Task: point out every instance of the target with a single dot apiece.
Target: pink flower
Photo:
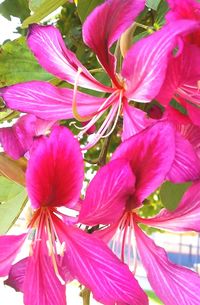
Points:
(149, 159)
(186, 139)
(182, 84)
(18, 139)
(185, 9)
(182, 76)
(58, 250)
(140, 79)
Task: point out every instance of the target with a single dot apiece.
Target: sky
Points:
(7, 27)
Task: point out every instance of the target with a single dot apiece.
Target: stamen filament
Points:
(51, 239)
(116, 118)
(74, 101)
(106, 104)
(134, 246)
(124, 240)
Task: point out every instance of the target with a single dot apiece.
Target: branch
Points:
(85, 294)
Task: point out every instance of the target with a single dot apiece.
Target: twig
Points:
(85, 294)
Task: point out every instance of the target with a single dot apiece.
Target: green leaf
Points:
(8, 189)
(153, 4)
(178, 107)
(13, 169)
(161, 12)
(16, 8)
(43, 10)
(86, 6)
(35, 4)
(13, 198)
(171, 194)
(17, 64)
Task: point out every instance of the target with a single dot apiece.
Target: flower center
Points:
(45, 233)
(124, 243)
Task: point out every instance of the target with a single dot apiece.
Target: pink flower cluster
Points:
(163, 144)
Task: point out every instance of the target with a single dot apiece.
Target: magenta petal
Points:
(134, 121)
(186, 165)
(47, 45)
(176, 116)
(91, 262)
(184, 218)
(182, 75)
(194, 111)
(105, 25)
(9, 247)
(151, 153)
(41, 285)
(55, 170)
(107, 193)
(183, 9)
(18, 139)
(17, 275)
(47, 101)
(149, 58)
(192, 134)
(173, 284)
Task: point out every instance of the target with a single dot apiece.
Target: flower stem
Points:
(85, 294)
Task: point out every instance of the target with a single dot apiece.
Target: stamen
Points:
(62, 249)
(106, 104)
(116, 241)
(133, 245)
(116, 118)
(123, 249)
(129, 244)
(51, 247)
(198, 85)
(38, 222)
(74, 101)
(49, 242)
(77, 127)
(31, 249)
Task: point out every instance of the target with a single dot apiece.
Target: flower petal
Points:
(107, 193)
(47, 45)
(192, 134)
(193, 110)
(175, 116)
(105, 25)
(18, 139)
(17, 275)
(149, 59)
(185, 9)
(182, 77)
(41, 285)
(91, 262)
(9, 248)
(134, 121)
(184, 218)
(151, 153)
(47, 101)
(186, 165)
(55, 170)
(173, 284)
